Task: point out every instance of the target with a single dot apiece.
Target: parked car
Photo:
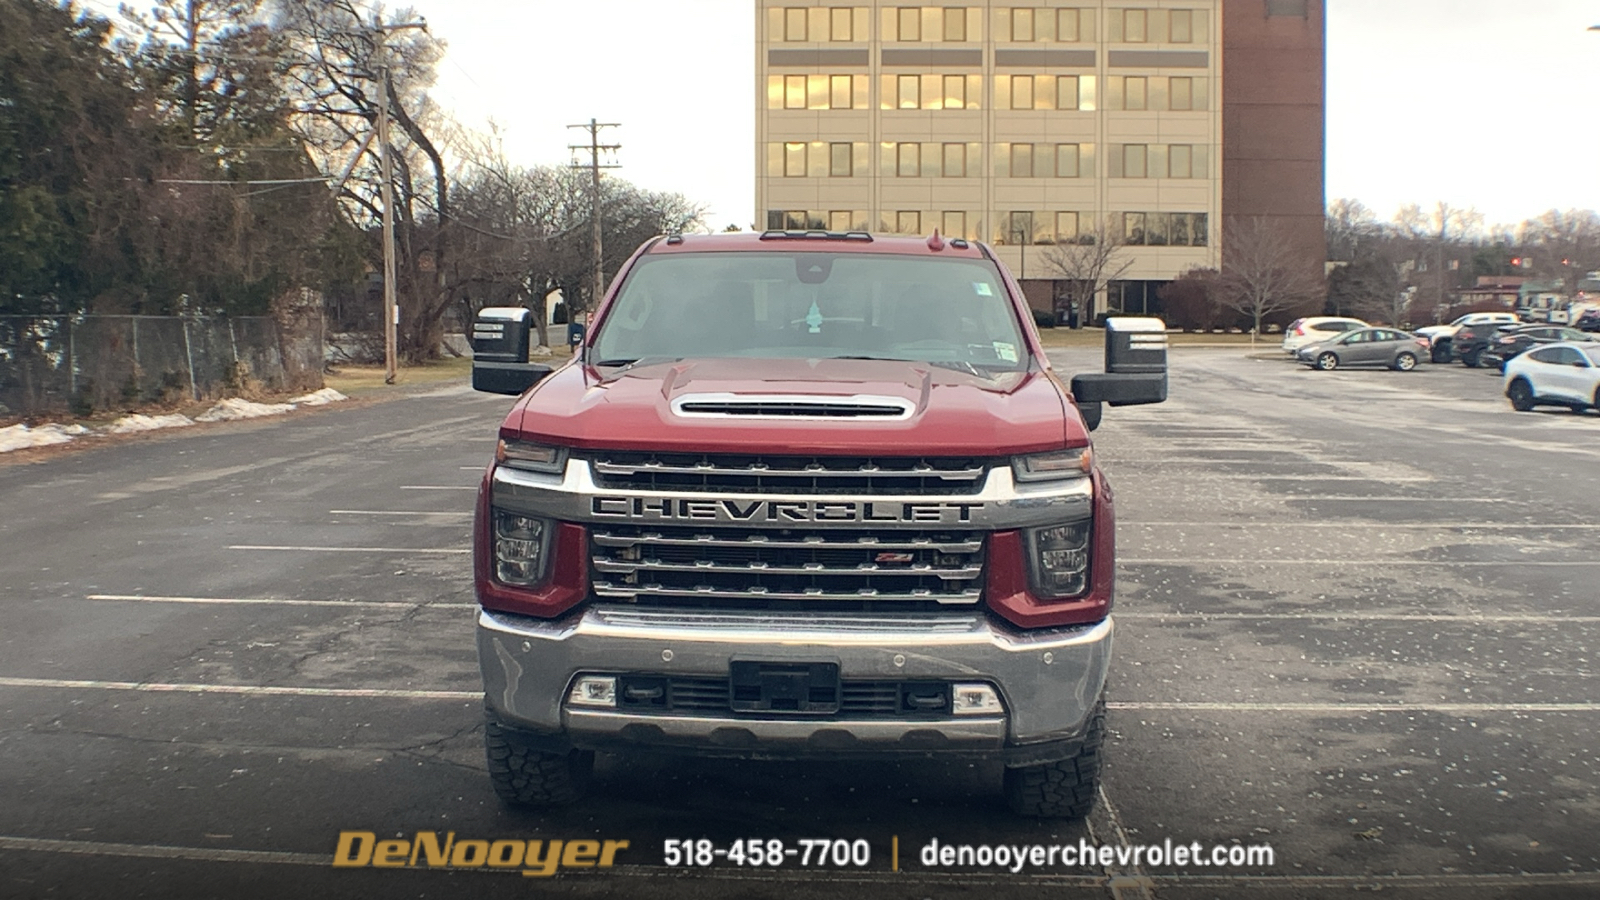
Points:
(1399, 350)
(1470, 342)
(1565, 374)
(1510, 344)
(1440, 337)
(1315, 329)
(1589, 320)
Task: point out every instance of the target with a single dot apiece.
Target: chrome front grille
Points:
(835, 570)
(898, 475)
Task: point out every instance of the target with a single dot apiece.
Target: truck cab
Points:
(803, 494)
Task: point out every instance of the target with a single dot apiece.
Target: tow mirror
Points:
(500, 351)
(1136, 368)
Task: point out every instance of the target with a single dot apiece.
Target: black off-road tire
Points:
(1520, 393)
(1439, 353)
(531, 778)
(1472, 359)
(1066, 788)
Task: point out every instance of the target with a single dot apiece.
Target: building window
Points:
(839, 25)
(1068, 157)
(1287, 8)
(930, 91)
(908, 222)
(1156, 229)
(955, 23)
(908, 160)
(1021, 24)
(1022, 92)
(794, 23)
(955, 160)
(847, 220)
(1044, 91)
(1066, 92)
(909, 23)
(817, 159)
(908, 90)
(817, 91)
(955, 92)
(1155, 92)
(953, 224)
(839, 161)
(1157, 26)
(1019, 228)
(797, 219)
(1067, 228)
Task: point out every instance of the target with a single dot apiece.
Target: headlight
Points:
(1061, 464)
(520, 548)
(532, 457)
(1059, 560)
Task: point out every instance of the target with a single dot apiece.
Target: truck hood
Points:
(948, 412)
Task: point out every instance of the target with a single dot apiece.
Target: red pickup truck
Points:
(800, 495)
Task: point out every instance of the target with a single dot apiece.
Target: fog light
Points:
(594, 692)
(975, 700)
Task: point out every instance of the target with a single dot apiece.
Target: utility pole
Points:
(391, 305)
(594, 166)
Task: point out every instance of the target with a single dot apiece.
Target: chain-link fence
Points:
(84, 363)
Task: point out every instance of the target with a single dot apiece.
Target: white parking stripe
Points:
(1464, 618)
(1507, 563)
(161, 851)
(398, 512)
(247, 689)
(346, 549)
(1368, 526)
(1402, 706)
(270, 601)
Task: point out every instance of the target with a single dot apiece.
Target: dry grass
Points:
(364, 380)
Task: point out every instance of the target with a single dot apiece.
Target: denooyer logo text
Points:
(427, 849)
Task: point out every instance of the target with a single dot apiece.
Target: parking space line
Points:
(272, 601)
(1252, 706)
(246, 689)
(1355, 497)
(1105, 826)
(398, 512)
(1464, 618)
(274, 547)
(1517, 563)
(1527, 526)
(162, 851)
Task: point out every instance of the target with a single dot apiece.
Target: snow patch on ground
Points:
(138, 422)
(319, 398)
(21, 437)
(234, 408)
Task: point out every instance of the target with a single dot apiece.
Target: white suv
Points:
(1316, 328)
(1439, 335)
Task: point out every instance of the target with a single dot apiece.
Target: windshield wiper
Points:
(627, 364)
(957, 365)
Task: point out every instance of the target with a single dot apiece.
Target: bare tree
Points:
(1350, 226)
(1565, 245)
(1262, 274)
(1090, 263)
(1435, 241)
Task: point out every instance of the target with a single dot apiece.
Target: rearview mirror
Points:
(1136, 369)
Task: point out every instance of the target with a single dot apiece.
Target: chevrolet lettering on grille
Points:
(704, 509)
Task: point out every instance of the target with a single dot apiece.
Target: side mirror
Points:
(1136, 369)
(500, 364)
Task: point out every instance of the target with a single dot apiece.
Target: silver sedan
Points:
(1391, 347)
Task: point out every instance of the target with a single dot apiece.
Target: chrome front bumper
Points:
(1048, 680)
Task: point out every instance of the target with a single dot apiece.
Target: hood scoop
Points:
(792, 406)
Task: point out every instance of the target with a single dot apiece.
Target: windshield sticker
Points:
(982, 289)
(1006, 352)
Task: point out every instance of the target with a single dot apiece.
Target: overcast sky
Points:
(1488, 103)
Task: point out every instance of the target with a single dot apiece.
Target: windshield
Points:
(813, 306)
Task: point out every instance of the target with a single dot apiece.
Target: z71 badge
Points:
(734, 512)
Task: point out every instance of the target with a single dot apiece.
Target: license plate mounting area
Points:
(784, 687)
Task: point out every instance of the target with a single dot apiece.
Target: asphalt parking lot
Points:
(1355, 622)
